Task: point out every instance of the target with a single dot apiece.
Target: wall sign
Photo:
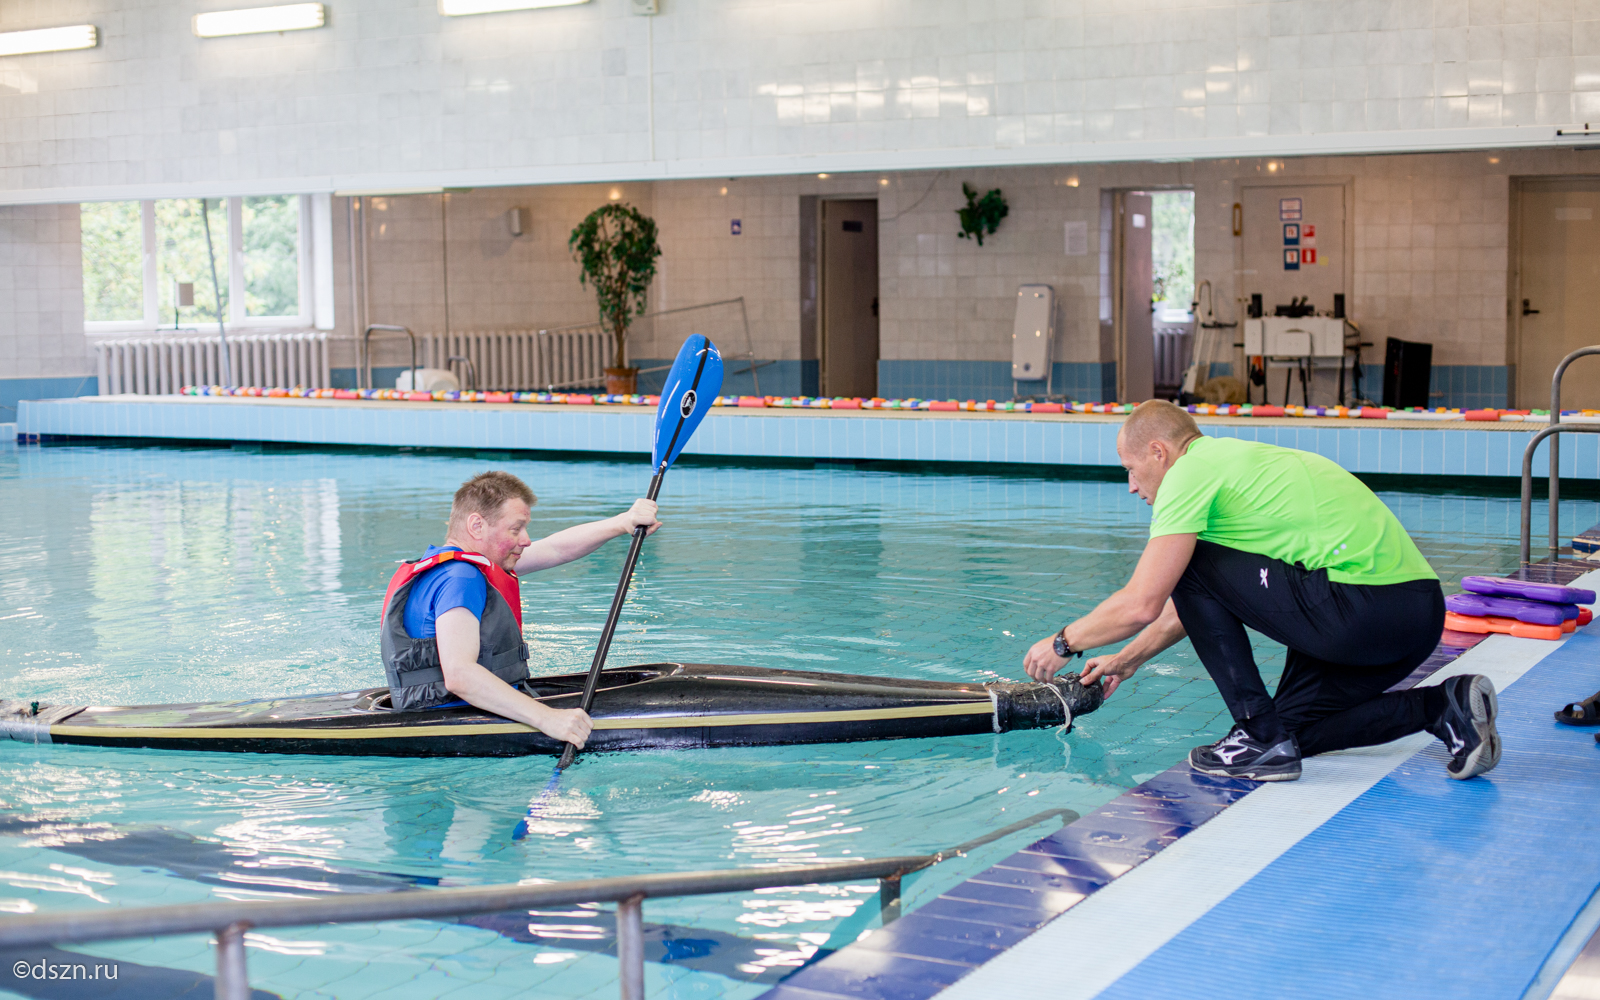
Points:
(1291, 234)
(1291, 259)
(736, 227)
(1289, 209)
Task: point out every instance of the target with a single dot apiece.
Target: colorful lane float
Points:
(1520, 608)
(1246, 410)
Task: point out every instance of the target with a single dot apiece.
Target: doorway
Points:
(1135, 276)
(848, 246)
(1556, 288)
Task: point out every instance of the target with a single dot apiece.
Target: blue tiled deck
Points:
(1044, 439)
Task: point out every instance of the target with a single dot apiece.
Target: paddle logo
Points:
(687, 406)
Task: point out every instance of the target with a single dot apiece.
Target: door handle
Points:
(1526, 311)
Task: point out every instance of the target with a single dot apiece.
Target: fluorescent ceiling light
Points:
(455, 8)
(20, 43)
(388, 192)
(257, 20)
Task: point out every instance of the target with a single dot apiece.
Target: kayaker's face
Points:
(505, 537)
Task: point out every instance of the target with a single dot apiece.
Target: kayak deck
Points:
(649, 706)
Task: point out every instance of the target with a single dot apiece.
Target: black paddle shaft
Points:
(593, 680)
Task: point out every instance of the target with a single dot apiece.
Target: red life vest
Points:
(502, 580)
(411, 664)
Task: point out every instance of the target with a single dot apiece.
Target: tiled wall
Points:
(391, 92)
(42, 347)
(1430, 235)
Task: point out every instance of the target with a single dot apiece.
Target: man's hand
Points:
(1108, 671)
(569, 725)
(1041, 663)
(641, 515)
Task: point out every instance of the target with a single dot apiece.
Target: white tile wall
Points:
(391, 92)
(41, 293)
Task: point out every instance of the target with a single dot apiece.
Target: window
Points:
(148, 265)
(113, 265)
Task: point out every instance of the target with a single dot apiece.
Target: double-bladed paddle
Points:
(691, 387)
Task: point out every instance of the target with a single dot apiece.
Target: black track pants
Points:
(1347, 644)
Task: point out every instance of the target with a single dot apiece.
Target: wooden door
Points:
(1136, 348)
(1555, 307)
(849, 298)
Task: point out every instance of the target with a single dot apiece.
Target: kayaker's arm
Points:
(581, 539)
(457, 634)
(1140, 603)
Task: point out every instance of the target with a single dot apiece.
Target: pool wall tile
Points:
(1368, 446)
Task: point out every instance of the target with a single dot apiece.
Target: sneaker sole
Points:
(1281, 772)
(1485, 705)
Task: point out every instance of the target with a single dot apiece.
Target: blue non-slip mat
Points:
(1423, 886)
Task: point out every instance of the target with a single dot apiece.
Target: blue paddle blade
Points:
(691, 386)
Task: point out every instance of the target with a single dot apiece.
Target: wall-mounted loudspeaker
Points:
(520, 220)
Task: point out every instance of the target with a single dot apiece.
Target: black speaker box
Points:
(1407, 367)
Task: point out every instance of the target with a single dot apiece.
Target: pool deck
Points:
(1374, 876)
(1409, 447)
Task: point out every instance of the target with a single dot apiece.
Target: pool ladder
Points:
(231, 920)
(1555, 428)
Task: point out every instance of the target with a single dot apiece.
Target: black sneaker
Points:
(1467, 725)
(1240, 755)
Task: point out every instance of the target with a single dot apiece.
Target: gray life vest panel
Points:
(416, 679)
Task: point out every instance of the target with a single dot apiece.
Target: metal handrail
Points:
(366, 351)
(472, 370)
(1527, 485)
(749, 354)
(230, 920)
(1555, 450)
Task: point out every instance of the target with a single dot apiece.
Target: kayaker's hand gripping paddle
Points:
(691, 386)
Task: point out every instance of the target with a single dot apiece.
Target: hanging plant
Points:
(982, 215)
(617, 249)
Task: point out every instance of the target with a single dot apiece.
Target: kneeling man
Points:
(452, 620)
(1293, 546)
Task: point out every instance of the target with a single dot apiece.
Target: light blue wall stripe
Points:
(1017, 439)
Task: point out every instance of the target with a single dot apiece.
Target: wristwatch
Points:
(1063, 650)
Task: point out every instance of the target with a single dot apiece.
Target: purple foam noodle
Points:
(1499, 586)
(1532, 612)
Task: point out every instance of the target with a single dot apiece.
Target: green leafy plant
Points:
(617, 249)
(982, 215)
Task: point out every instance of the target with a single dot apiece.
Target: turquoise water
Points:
(155, 575)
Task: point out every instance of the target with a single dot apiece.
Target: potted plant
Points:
(982, 215)
(616, 248)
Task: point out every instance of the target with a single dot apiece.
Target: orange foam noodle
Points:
(1048, 408)
(753, 401)
(1373, 413)
(419, 396)
(846, 404)
(1505, 626)
(944, 404)
(1266, 411)
(497, 397)
(1481, 415)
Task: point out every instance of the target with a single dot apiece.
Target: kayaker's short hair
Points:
(486, 493)
(1158, 420)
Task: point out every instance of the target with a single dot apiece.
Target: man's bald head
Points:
(1157, 420)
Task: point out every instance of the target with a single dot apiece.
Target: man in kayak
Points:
(452, 620)
(1293, 546)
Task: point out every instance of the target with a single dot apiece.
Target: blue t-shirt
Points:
(450, 585)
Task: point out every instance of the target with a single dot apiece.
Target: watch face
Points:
(1061, 647)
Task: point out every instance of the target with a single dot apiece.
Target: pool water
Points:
(145, 575)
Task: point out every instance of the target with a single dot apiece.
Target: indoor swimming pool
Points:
(150, 575)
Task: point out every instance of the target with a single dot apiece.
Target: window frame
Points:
(233, 266)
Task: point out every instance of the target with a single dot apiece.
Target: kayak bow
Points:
(650, 706)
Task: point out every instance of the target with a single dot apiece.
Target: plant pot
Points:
(622, 381)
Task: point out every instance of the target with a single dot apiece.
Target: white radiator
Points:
(162, 365)
(1173, 345)
(519, 359)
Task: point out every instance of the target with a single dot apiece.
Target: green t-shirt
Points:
(1289, 505)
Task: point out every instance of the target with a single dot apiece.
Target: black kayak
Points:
(647, 707)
